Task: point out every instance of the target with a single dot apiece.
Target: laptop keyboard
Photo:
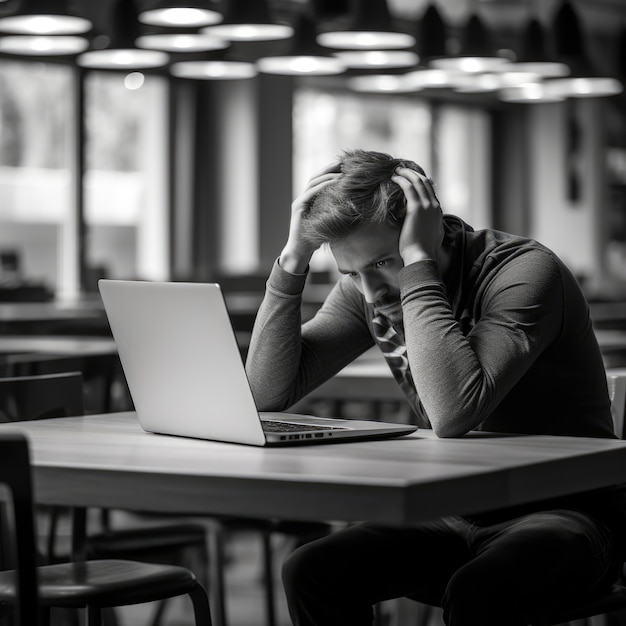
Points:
(288, 427)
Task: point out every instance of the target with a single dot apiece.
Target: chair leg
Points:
(94, 616)
(158, 614)
(217, 565)
(268, 575)
(44, 616)
(201, 610)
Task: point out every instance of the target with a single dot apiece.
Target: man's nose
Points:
(373, 289)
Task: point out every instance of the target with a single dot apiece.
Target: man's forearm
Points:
(274, 352)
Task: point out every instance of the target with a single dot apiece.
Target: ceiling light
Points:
(249, 20)
(430, 79)
(44, 17)
(538, 93)
(364, 59)
(122, 58)
(432, 35)
(121, 52)
(305, 56)
(477, 53)
(195, 14)
(534, 57)
(584, 81)
(181, 42)
(586, 86)
(367, 27)
(213, 69)
(379, 83)
(43, 45)
(492, 81)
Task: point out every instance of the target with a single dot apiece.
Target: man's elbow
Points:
(449, 428)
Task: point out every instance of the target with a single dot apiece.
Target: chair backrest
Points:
(15, 474)
(99, 372)
(616, 381)
(38, 397)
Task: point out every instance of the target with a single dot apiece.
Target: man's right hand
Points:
(297, 253)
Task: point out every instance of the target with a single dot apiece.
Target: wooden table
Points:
(37, 317)
(56, 344)
(19, 354)
(108, 460)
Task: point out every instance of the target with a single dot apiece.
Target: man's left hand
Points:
(421, 235)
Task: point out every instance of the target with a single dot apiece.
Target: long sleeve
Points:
(461, 377)
(286, 360)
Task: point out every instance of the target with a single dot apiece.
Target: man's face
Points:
(370, 256)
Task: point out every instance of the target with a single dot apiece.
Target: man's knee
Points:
(470, 600)
(303, 566)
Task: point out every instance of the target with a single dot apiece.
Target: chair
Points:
(165, 542)
(32, 591)
(611, 604)
(15, 477)
(60, 395)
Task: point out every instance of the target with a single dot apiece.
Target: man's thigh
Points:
(534, 564)
(378, 563)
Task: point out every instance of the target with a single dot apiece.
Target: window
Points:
(451, 143)
(126, 211)
(35, 176)
(125, 185)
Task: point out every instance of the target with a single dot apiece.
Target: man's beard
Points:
(389, 308)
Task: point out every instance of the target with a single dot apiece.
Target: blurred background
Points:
(181, 164)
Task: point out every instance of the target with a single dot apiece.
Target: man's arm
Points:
(287, 360)
(461, 379)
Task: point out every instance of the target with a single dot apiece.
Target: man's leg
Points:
(529, 567)
(336, 580)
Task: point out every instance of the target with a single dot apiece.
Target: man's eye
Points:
(381, 264)
(352, 274)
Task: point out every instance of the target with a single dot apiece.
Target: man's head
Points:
(364, 194)
(360, 216)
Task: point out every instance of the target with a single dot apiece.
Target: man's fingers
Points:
(420, 185)
(315, 186)
(334, 167)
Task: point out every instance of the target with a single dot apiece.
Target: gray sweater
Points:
(503, 342)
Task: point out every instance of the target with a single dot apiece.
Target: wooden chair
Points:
(15, 477)
(60, 395)
(164, 542)
(32, 591)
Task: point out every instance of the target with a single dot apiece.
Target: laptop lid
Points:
(184, 369)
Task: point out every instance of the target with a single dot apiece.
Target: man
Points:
(482, 330)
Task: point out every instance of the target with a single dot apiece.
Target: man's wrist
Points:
(293, 263)
(414, 255)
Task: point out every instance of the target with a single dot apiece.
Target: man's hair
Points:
(364, 194)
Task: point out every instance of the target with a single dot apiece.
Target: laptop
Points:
(186, 376)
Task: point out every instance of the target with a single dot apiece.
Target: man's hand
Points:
(297, 253)
(422, 230)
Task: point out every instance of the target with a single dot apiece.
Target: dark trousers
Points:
(502, 574)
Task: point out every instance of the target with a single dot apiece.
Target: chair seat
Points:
(104, 583)
(612, 600)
